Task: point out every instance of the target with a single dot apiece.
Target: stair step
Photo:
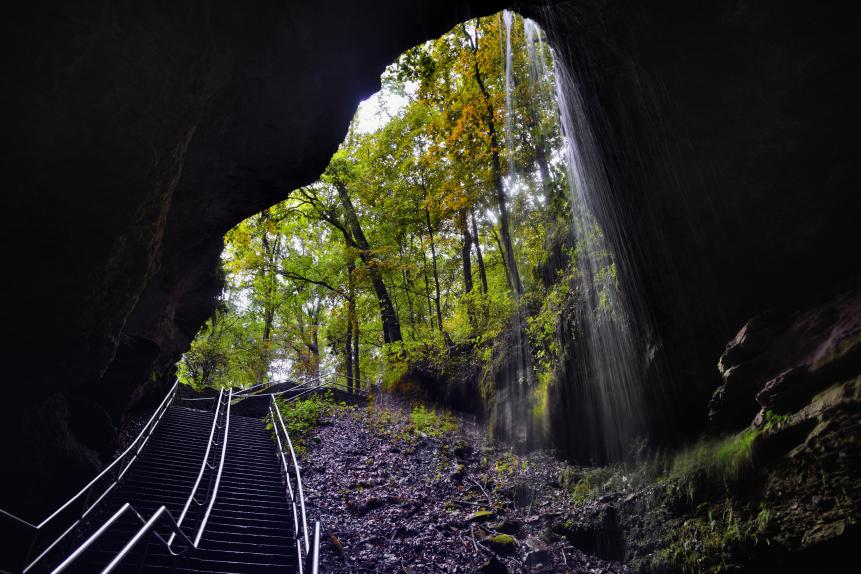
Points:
(251, 528)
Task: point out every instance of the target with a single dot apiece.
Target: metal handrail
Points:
(313, 566)
(203, 465)
(147, 525)
(244, 392)
(307, 389)
(297, 473)
(311, 554)
(18, 519)
(162, 510)
(145, 432)
(217, 476)
(240, 394)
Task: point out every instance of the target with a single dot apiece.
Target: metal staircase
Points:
(197, 491)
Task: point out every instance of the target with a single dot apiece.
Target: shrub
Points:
(301, 416)
(432, 423)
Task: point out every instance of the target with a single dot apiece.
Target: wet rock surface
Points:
(395, 501)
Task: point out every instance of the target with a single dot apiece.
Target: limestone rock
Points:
(779, 363)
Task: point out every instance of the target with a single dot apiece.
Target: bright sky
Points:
(375, 112)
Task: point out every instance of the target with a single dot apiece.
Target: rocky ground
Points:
(395, 496)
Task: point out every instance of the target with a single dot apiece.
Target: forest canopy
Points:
(424, 237)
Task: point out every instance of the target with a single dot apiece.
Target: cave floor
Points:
(394, 499)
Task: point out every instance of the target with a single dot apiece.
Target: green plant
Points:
(301, 416)
(725, 460)
(432, 423)
(507, 464)
(763, 518)
(597, 481)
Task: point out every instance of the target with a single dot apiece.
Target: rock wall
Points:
(729, 135)
(781, 494)
(138, 133)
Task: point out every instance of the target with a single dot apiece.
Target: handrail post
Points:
(220, 469)
(313, 557)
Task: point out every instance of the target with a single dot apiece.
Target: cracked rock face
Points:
(138, 135)
(778, 363)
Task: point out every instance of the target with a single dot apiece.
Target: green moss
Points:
(407, 426)
(725, 460)
(582, 492)
(774, 420)
(702, 543)
(480, 516)
(763, 519)
(502, 543)
(597, 481)
(714, 540)
(431, 422)
(508, 464)
(733, 454)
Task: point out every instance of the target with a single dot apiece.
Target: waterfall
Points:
(508, 18)
(517, 376)
(537, 65)
(609, 384)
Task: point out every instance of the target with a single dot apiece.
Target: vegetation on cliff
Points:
(435, 257)
(421, 243)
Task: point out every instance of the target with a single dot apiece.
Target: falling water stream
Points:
(609, 378)
(610, 368)
(508, 18)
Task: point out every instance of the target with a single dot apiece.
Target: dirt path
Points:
(394, 499)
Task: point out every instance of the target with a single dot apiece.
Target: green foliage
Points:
(596, 481)
(763, 518)
(507, 464)
(725, 460)
(713, 538)
(543, 326)
(429, 350)
(704, 542)
(431, 422)
(388, 223)
(408, 426)
(303, 415)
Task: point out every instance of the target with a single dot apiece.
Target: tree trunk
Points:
(496, 170)
(357, 374)
(348, 355)
(427, 282)
(466, 256)
(482, 272)
(352, 329)
(388, 315)
(465, 252)
(434, 268)
(502, 256)
(411, 315)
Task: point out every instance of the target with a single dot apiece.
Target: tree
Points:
(416, 228)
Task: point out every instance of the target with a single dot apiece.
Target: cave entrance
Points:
(449, 240)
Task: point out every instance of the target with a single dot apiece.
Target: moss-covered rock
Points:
(501, 543)
(481, 516)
